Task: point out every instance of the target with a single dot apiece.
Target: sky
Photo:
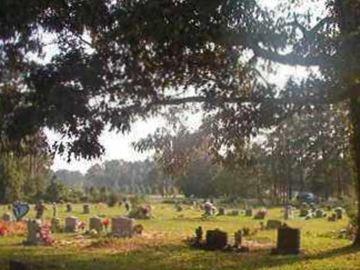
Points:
(118, 146)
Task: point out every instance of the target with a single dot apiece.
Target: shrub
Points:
(113, 199)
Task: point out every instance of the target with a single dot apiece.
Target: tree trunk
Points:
(355, 143)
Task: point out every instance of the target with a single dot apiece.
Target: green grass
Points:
(162, 247)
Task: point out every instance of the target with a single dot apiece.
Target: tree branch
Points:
(291, 59)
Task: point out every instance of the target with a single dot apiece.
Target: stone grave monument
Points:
(71, 224)
(122, 226)
(95, 223)
(288, 241)
(7, 217)
(216, 239)
(86, 209)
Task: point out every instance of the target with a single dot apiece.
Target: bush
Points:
(113, 199)
(138, 200)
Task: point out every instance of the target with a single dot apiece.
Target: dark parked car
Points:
(307, 197)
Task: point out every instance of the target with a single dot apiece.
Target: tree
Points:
(24, 173)
(135, 57)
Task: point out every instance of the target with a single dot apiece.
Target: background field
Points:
(163, 247)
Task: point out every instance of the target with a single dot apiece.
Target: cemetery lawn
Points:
(162, 247)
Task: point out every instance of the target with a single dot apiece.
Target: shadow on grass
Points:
(173, 257)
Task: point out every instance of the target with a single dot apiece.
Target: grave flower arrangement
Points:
(12, 228)
(45, 235)
(261, 214)
(81, 225)
(106, 223)
(3, 230)
(141, 212)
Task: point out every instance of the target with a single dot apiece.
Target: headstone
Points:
(304, 205)
(222, 211)
(68, 208)
(198, 234)
(95, 223)
(40, 208)
(216, 239)
(20, 210)
(86, 209)
(304, 212)
(71, 224)
(288, 213)
(333, 217)
(319, 213)
(122, 226)
(55, 225)
(33, 232)
(288, 241)
(249, 212)
(7, 217)
(234, 213)
(238, 238)
(273, 224)
(54, 210)
(339, 212)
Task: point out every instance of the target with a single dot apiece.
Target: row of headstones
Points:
(320, 213)
(288, 240)
(249, 212)
(120, 227)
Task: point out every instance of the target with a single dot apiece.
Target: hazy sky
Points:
(118, 146)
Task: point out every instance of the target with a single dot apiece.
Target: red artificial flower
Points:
(106, 222)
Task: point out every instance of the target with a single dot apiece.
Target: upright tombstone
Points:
(68, 208)
(234, 212)
(71, 224)
(248, 212)
(54, 207)
(122, 226)
(304, 212)
(319, 213)
(216, 239)
(55, 225)
(86, 209)
(288, 212)
(33, 232)
(20, 210)
(238, 238)
(40, 209)
(288, 241)
(339, 212)
(222, 211)
(95, 223)
(7, 217)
